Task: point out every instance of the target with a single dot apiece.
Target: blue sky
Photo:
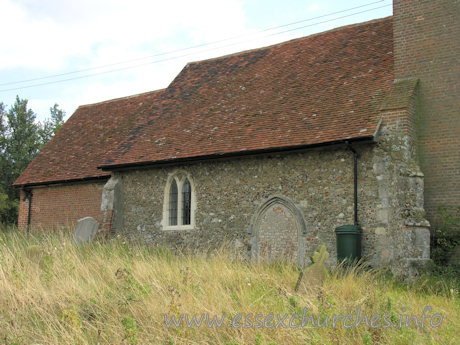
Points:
(135, 46)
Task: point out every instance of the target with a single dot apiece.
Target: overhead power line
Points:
(185, 49)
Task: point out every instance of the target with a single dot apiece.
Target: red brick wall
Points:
(426, 46)
(55, 206)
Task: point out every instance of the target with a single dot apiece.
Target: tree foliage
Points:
(52, 125)
(21, 138)
(445, 236)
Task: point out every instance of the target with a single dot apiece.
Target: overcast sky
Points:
(135, 46)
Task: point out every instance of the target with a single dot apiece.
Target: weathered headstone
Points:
(277, 229)
(86, 230)
(278, 238)
(35, 253)
(313, 276)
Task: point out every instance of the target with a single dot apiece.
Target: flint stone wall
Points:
(318, 181)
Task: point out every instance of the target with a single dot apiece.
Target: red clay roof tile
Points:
(312, 90)
(85, 138)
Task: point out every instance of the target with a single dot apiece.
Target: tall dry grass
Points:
(53, 292)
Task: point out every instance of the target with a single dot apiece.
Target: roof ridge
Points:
(291, 40)
(121, 98)
(286, 96)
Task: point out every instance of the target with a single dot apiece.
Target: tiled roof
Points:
(312, 90)
(82, 143)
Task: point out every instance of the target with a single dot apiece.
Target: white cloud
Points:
(313, 7)
(43, 37)
(47, 33)
(55, 36)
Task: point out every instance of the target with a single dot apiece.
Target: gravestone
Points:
(277, 229)
(86, 230)
(278, 237)
(313, 276)
(35, 253)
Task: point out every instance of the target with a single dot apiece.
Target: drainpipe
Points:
(28, 196)
(355, 180)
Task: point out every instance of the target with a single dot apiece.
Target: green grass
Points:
(53, 292)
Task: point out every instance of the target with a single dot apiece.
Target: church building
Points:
(270, 150)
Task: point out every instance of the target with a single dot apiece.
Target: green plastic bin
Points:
(348, 243)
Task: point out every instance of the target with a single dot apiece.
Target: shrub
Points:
(446, 234)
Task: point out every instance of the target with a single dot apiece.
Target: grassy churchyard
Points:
(53, 292)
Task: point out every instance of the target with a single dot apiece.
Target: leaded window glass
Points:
(173, 204)
(186, 202)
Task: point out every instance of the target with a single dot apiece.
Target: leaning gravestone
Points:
(313, 276)
(35, 253)
(86, 230)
